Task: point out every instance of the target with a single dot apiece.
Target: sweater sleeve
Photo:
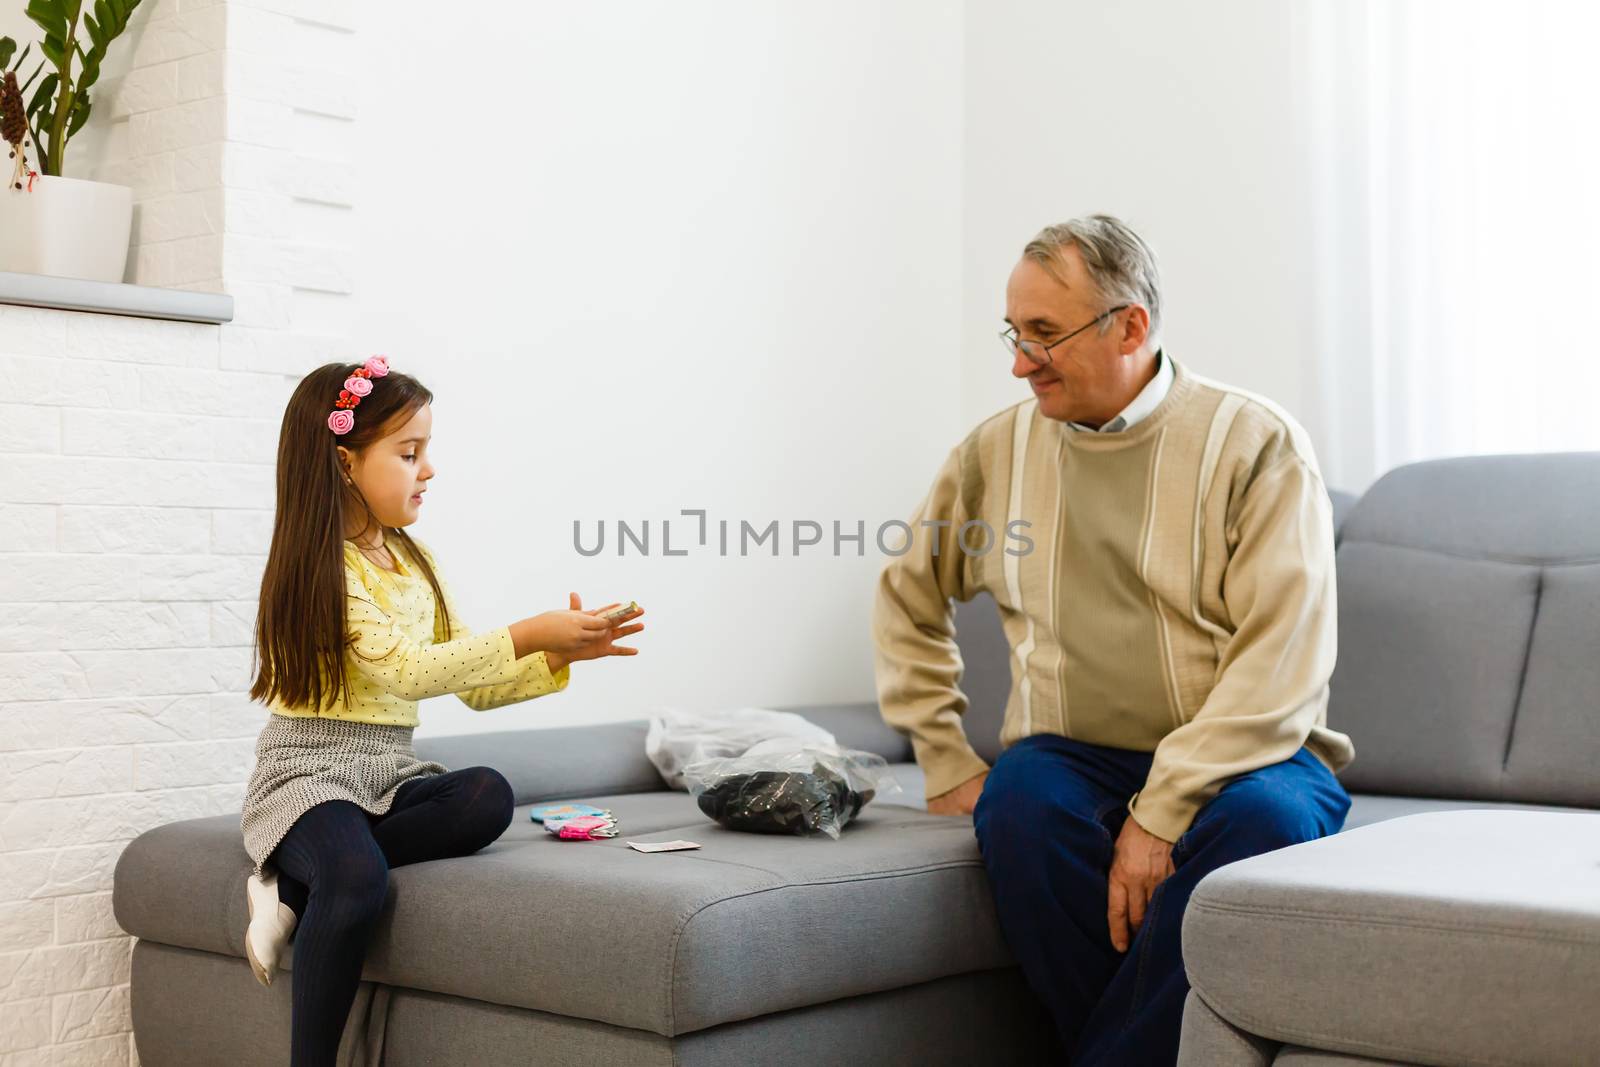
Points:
(918, 663)
(390, 659)
(1272, 677)
(531, 675)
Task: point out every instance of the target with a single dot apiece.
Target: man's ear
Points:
(1136, 331)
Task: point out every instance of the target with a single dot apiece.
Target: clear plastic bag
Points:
(677, 738)
(776, 790)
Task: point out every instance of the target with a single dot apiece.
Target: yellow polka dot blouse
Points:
(398, 654)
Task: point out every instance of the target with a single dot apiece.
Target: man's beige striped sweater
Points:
(1178, 597)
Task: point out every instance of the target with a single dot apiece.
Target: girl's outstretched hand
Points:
(562, 632)
(566, 636)
(618, 628)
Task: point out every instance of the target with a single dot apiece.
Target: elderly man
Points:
(1172, 635)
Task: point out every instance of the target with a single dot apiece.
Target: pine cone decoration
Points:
(13, 120)
(14, 130)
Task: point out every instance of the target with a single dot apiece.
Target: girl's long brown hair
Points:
(300, 625)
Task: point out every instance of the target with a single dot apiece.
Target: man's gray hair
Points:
(1121, 265)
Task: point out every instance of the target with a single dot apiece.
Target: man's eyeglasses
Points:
(1038, 352)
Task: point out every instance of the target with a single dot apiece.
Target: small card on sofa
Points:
(661, 846)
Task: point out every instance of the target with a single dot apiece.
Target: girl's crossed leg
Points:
(334, 873)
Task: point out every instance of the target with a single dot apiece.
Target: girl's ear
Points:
(344, 460)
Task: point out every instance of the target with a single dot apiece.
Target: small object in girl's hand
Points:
(582, 828)
(661, 846)
(543, 812)
(616, 613)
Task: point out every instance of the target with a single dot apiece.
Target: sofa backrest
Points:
(985, 673)
(565, 762)
(554, 763)
(1469, 631)
(1342, 504)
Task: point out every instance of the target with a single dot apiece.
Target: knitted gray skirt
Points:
(301, 762)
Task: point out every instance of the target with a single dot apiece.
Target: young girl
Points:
(355, 626)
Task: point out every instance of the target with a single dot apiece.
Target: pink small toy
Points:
(585, 828)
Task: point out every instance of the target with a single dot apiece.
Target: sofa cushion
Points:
(1343, 504)
(1430, 661)
(559, 762)
(1469, 599)
(202, 1009)
(668, 942)
(913, 787)
(1295, 1056)
(1450, 937)
(985, 673)
(1555, 746)
(1368, 808)
(555, 762)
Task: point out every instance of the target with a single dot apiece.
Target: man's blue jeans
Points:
(1047, 822)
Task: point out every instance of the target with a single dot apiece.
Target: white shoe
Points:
(271, 923)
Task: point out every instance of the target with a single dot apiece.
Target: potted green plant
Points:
(51, 224)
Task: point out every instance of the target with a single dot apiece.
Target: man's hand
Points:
(959, 801)
(1141, 862)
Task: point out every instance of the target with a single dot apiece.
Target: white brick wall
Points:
(135, 511)
(136, 486)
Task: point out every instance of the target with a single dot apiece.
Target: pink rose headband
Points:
(342, 420)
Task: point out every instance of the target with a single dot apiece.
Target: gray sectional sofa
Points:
(1470, 595)
(1456, 920)
(881, 947)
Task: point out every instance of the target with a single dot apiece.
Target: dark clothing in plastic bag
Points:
(805, 791)
(783, 802)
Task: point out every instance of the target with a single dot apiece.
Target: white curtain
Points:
(1456, 179)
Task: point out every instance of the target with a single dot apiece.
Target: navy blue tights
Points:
(334, 873)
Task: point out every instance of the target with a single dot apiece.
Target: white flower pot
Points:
(67, 228)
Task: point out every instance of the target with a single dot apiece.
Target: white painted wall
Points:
(690, 256)
(1180, 118)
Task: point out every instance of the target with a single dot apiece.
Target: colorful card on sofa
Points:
(541, 812)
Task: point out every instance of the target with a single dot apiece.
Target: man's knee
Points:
(1028, 799)
(1259, 815)
(1021, 767)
